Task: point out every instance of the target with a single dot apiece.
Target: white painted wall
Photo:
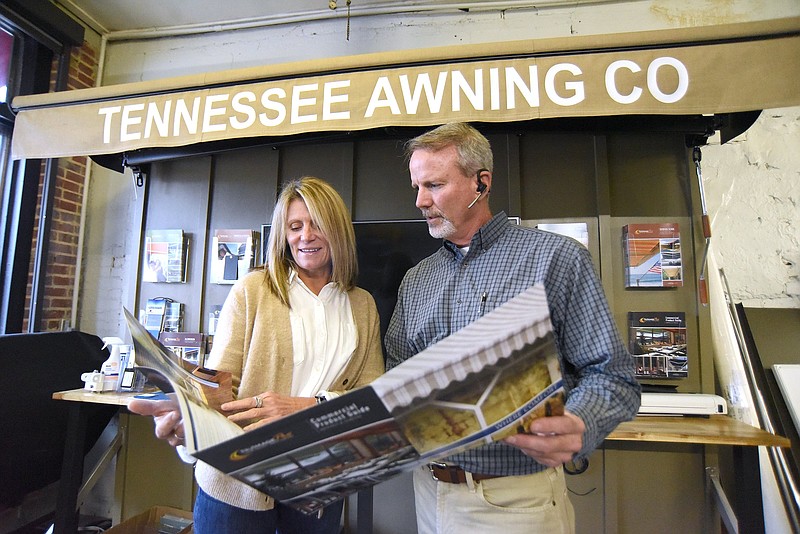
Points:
(134, 60)
(752, 188)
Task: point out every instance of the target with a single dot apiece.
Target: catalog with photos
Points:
(187, 346)
(481, 384)
(652, 255)
(658, 343)
(232, 254)
(165, 256)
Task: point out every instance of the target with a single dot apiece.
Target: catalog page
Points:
(481, 384)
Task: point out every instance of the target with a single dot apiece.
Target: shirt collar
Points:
(485, 237)
(327, 292)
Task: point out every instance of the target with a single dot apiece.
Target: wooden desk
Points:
(714, 430)
(66, 518)
(107, 397)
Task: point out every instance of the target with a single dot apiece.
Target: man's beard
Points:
(444, 229)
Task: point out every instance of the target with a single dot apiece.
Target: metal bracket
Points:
(715, 495)
(139, 175)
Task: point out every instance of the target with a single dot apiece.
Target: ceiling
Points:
(119, 17)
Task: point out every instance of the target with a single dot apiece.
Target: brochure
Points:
(652, 255)
(481, 384)
(233, 254)
(188, 346)
(165, 256)
(657, 340)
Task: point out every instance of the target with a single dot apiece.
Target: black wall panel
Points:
(178, 193)
(557, 175)
(333, 162)
(647, 175)
(244, 188)
(382, 189)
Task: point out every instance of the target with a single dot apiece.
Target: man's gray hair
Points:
(474, 150)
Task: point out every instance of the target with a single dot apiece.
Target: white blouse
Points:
(324, 336)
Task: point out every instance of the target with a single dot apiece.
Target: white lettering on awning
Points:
(435, 92)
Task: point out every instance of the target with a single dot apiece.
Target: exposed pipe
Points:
(40, 258)
(787, 485)
(389, 8)
(87, 178)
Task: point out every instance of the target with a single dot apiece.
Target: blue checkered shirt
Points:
(448, 290)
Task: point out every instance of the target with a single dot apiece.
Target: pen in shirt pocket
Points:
(484, 295)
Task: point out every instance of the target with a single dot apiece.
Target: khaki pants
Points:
(526, 504)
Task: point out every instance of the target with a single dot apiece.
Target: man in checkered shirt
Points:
(514, 486)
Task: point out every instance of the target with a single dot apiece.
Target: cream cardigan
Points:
(253, 341)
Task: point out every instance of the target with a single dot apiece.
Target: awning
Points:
(708, 70)
(517, 329)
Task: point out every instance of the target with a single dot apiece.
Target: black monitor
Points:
(386, 250)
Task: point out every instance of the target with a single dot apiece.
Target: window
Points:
(32, 36)
(6, 52)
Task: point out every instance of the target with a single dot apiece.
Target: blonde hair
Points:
(473, 149)
(329, 214)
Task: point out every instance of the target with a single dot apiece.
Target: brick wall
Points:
(61, 263)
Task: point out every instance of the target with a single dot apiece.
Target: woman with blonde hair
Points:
(293, 334)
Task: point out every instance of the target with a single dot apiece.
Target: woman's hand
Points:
(167, 416)
(265, 408)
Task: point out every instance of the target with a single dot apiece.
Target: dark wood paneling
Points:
(245, 185)
(179, 198)
(382, 184)
(647, 175)
(557, 175)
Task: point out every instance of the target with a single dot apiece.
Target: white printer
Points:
(682, 404)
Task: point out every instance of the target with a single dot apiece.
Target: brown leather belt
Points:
(452, 474)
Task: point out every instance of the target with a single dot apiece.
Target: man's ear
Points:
(484, 178)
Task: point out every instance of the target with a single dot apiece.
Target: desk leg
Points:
(747, 501)
(66, 520)
(364, 511)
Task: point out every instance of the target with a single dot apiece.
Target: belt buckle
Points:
(440, 465)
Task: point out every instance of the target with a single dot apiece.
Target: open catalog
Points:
(480, 384)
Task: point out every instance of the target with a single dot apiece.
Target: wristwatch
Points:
(320, 398)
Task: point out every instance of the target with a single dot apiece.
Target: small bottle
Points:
(111, 367)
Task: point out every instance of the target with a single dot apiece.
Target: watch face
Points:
(127, 378)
